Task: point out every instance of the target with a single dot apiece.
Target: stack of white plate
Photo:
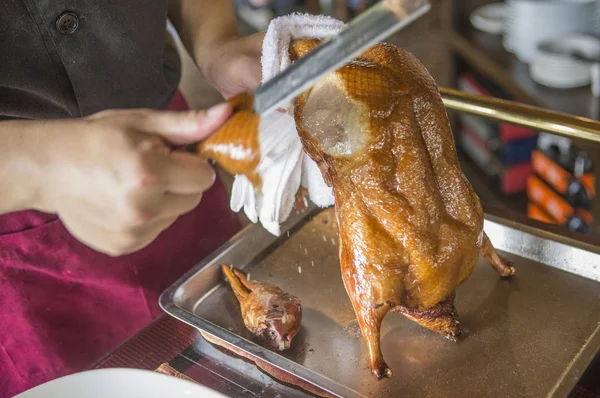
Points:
(489, 18)
(553, 65)
(529, 22)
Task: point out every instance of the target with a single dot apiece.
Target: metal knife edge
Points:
(360, 34)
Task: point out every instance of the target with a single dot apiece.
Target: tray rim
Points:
(562, 388)
(167, 303)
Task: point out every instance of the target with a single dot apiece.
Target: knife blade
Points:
(377, 23)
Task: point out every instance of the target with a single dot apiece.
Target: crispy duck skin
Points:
(270, 314)
(410, 224)
(235, 145)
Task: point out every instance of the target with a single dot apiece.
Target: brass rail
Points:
(528, 116)
(522, 115)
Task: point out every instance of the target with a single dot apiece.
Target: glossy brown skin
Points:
(410, 224)
(270, 314)
(235, 145)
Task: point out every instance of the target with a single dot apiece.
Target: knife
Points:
(377, 23)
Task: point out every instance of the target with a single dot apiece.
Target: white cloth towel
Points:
(284, 166)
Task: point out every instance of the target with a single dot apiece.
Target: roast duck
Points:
(270, 314)
(410, 224)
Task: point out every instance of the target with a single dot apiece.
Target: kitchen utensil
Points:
(370, 27)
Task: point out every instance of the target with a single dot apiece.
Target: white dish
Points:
(529, 22)
(553, 65)
(489, 18)
(119, 383)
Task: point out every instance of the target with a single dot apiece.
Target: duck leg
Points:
(442, 318)
(370, 308)
(239, 288)
(502, 266)
(369, 320)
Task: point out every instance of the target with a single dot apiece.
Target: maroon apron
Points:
(64, 305)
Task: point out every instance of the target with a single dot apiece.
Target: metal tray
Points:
(532, 335)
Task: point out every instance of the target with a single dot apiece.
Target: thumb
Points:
(254, 42)
(186, 127)
(250, 79)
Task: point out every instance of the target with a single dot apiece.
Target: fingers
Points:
(255, 42)
(187, 174)
(176, 205)
(259, 3)
(125, 240)
(94, 236)
(248, 70)
(254, 75)
(251, 76)
(126, 185)
(147, 236)
(184, 127)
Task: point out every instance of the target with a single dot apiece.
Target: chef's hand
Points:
(115, 183)
(234, 66)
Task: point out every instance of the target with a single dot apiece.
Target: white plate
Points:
(120, 383)
(489, 18)
(529, 22)
(553, 66)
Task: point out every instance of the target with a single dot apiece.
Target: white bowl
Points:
(119, 383)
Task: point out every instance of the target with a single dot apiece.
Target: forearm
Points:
(24, 147)
(203, 25)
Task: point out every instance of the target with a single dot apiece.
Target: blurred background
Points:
(543, 53)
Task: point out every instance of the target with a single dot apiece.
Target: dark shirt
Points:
(69, 58)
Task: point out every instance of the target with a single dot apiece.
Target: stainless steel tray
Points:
(532, 335)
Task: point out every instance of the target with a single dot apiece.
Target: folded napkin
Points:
(284, 167)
